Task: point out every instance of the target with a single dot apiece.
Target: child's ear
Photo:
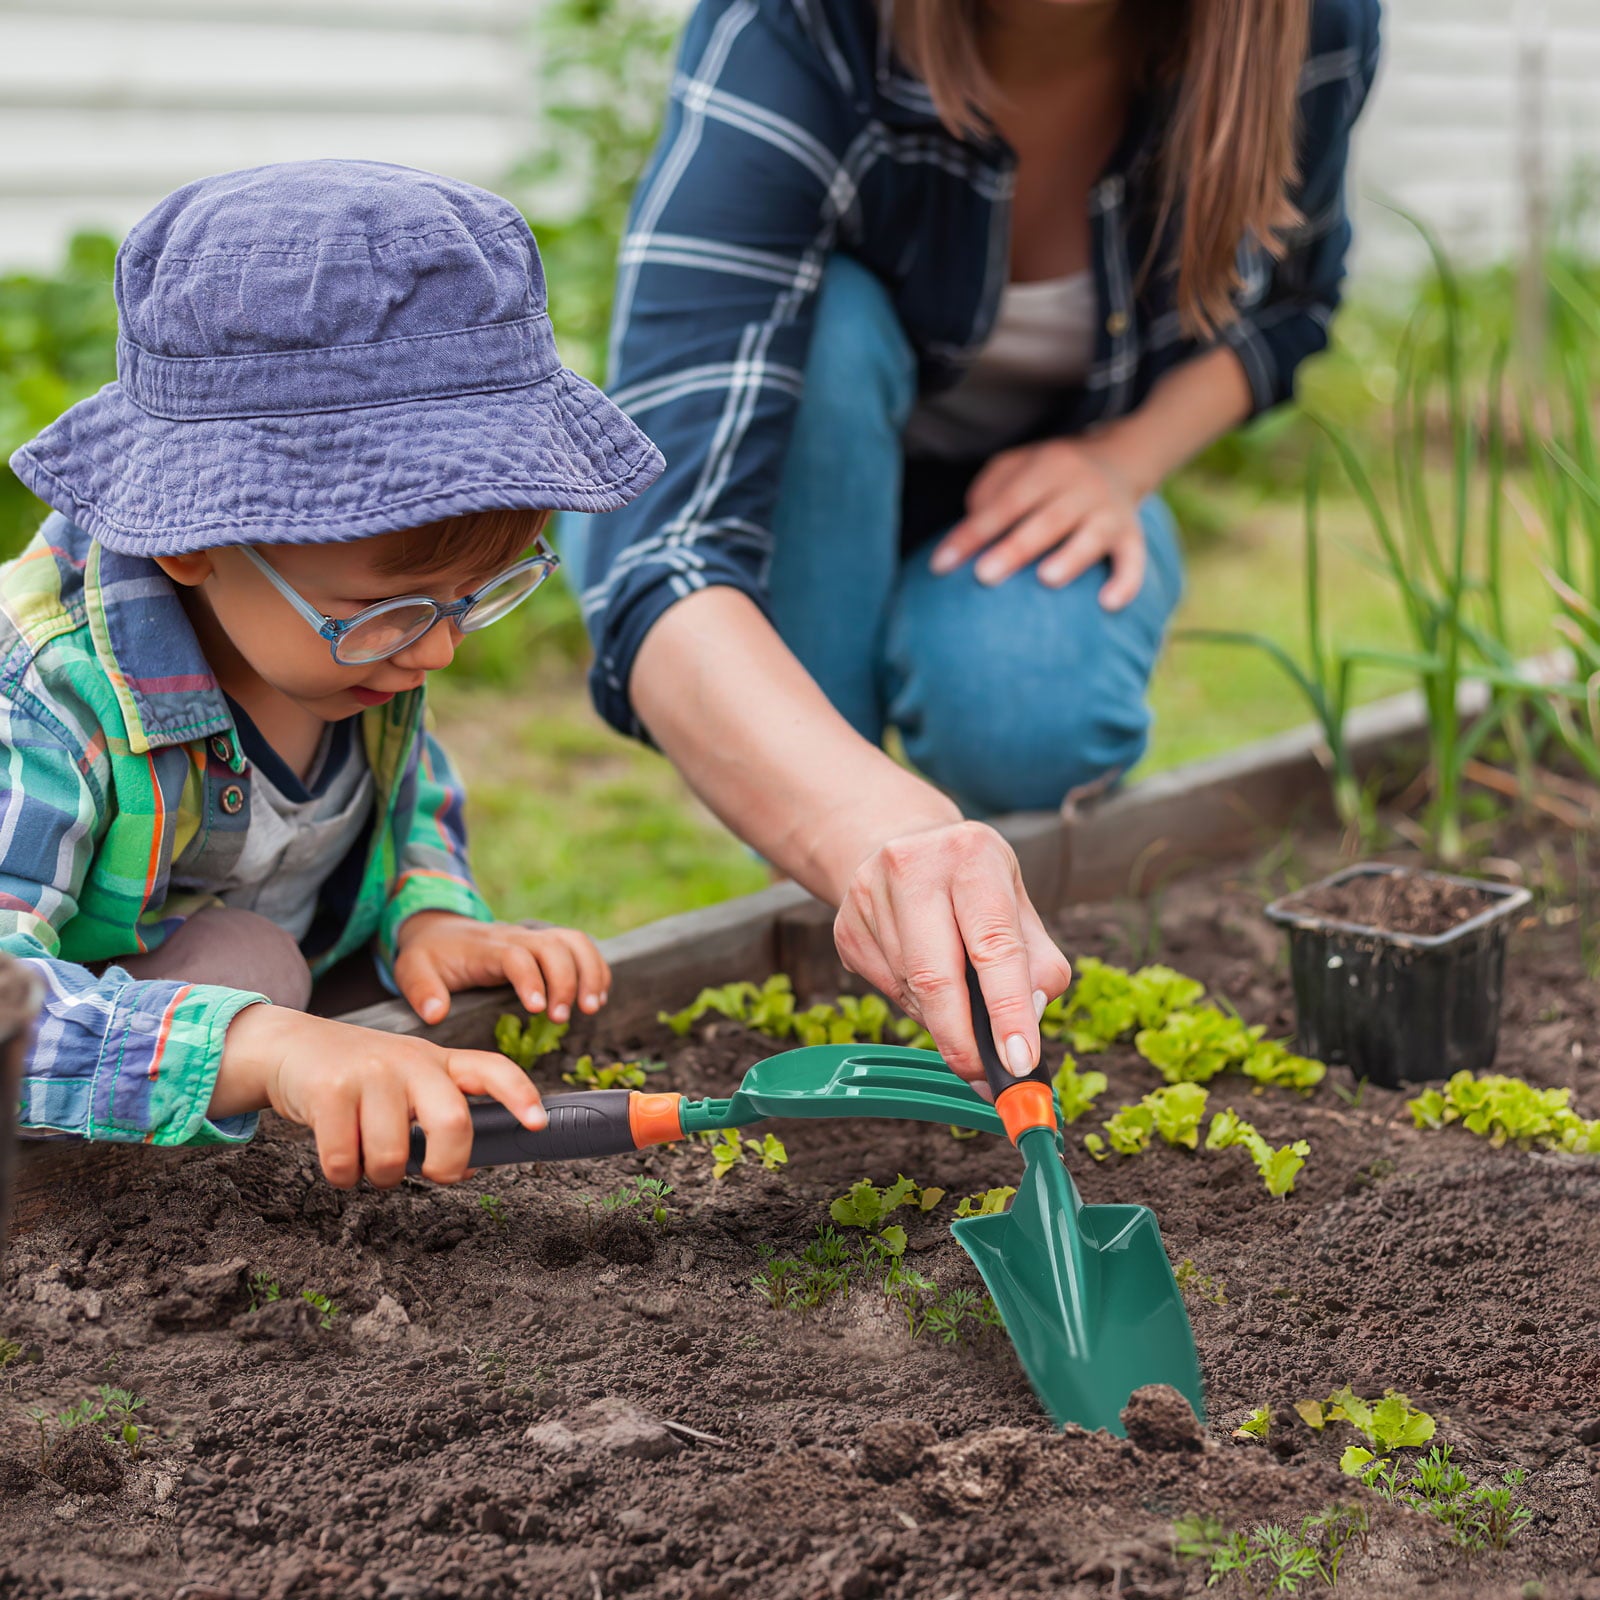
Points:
(191, 569)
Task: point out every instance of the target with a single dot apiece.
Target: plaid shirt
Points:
(792, 132)
(123, 770)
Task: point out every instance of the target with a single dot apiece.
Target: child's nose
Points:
(434, 650)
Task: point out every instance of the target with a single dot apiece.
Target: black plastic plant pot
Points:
(1399, 1007)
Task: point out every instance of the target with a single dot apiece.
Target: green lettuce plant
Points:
(1503, 1109)
(1278, 1168)
(1076, 1092)
(618, 1075)
(987, 1203)
(525, 1039)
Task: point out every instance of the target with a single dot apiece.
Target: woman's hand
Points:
(550, 968)
(1060, 503)
(918, 905)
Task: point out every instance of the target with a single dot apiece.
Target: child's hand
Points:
(359, 1091)
(550, 968)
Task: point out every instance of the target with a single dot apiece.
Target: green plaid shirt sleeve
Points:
(112, 1058)
(432, 871)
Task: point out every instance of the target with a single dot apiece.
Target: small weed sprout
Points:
(327, 1312)
(263, 1290)
(648, 1194)
(1286, 1559)
(1479, 1517)
(822, 1271)
(10, 1351)
(119, 1406)
(494, 1208)
(1187, 1275)
(524, 1040)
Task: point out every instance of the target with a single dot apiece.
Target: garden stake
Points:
(1086, 1292)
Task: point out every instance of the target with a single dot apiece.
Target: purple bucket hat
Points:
(328, 350)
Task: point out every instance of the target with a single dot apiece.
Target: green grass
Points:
(574, 824)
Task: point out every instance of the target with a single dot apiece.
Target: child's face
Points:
(244, 622)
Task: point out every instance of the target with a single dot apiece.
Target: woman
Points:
(922, 309)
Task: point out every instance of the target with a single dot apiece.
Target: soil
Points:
(557, 1400)
(1396, 902)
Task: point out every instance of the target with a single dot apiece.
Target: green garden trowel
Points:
(1086, 1292)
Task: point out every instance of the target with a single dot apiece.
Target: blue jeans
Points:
(1007, 697)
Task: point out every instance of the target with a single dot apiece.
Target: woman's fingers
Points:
(1020, 494)
(1127, 572)
(988, 912)
(594, 976)
(1036, 534)
(1087, 546)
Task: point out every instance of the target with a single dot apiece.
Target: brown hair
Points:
(1228, 151)
(476, 540)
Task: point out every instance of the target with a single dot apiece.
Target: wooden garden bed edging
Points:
(1191, 815)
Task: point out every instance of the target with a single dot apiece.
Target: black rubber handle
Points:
(999, 1075)
(593, 1122)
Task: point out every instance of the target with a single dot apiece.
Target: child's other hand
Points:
(359, 1091)
(552, 969)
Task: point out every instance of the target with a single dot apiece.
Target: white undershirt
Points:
(1042, 344)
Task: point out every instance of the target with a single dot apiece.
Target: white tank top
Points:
(1042, 344)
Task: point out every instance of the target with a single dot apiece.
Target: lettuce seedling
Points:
(1256, 1425)
(1387, 1425)
(987, 1203)
(729, 1149)
(1160, 991)
(1174, 1112)
(912, 1034)
(1096, 1011)
(525, 1039)
(619, 1075)
(867, 1207)
(1194, 1046)
(1503, 1109)
(1271, 1063)
(867, 1016)
(1076, 1092)
(1278, 1168)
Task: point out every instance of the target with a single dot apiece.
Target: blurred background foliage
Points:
(574, 824)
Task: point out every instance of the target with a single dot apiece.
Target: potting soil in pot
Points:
(1401, 902)
(510, 1389)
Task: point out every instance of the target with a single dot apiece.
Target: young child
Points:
(338, 427)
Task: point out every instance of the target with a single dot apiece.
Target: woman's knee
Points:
(1012, 697)
(860, 368)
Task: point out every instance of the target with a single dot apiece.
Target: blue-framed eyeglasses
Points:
(383, 630)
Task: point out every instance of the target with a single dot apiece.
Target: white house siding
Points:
(1442, 133)
(105, 105)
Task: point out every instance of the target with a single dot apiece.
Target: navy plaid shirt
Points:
(794, 131)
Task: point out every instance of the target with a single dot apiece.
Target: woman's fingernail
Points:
(432, 1010)
(591, 1002)
(559, 1013)
(605, 995)
(536, 1118)
(1040, 1001)
(987, 574)
(535, 1001)
(1018, 1056)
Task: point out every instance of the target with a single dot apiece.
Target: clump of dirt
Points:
(534, 1399)
(1422, 903)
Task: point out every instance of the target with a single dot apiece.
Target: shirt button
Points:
(221, 749)
(1117, 324)
(233, 799)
